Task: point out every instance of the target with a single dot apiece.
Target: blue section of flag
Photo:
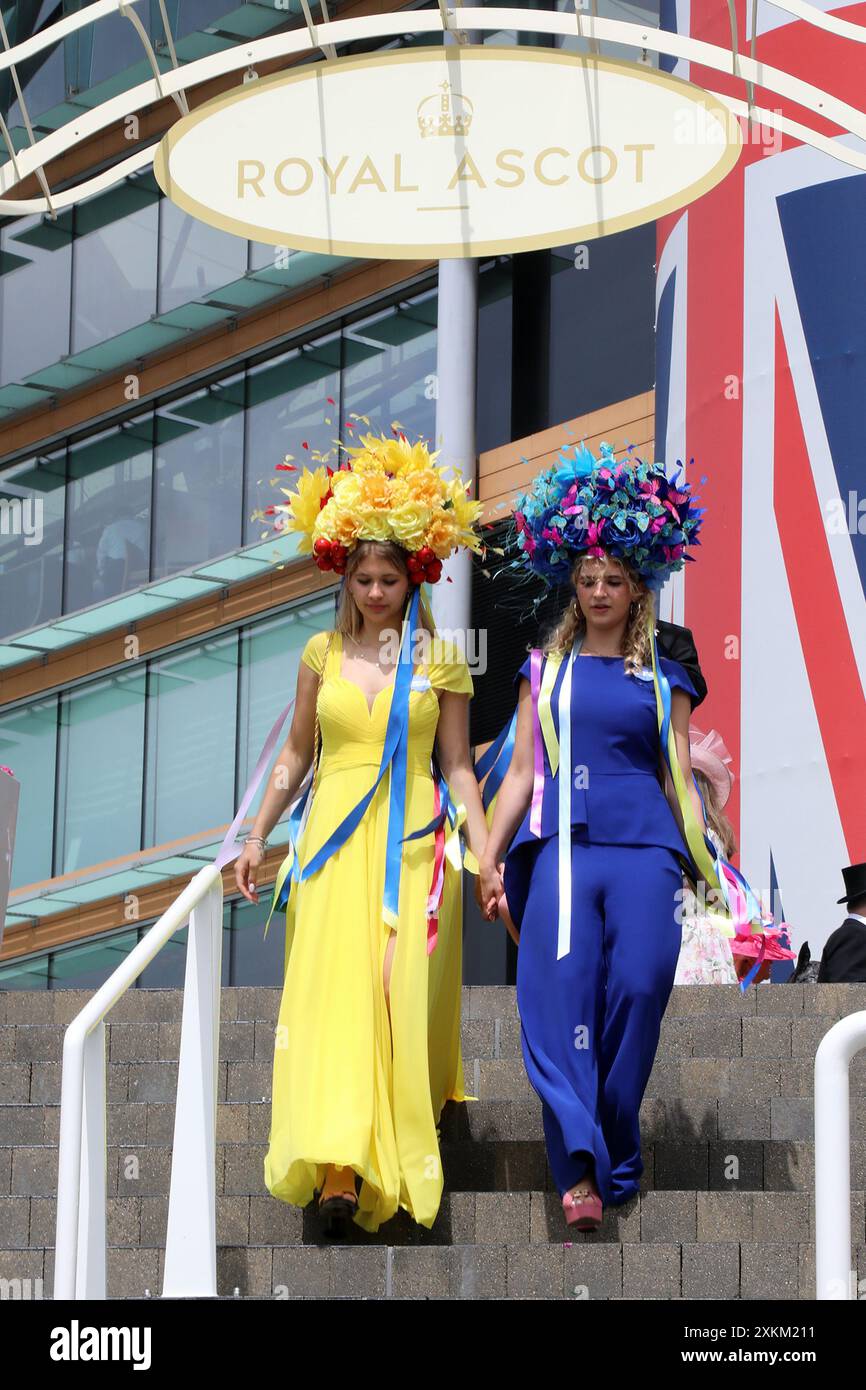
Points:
(822, 226)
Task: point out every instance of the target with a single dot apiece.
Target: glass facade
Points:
(161, 749)
(108, 57)
(119, 276)
(248, 956)
(159, 752)
(187, 481)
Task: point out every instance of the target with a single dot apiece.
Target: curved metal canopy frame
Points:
(437, 20)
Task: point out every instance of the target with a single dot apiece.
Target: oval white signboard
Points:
(458, 151)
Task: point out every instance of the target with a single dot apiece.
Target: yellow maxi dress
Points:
(347, 1088)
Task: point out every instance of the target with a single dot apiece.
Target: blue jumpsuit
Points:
(590, 1021)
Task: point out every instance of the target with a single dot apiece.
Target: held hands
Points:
(489, 888)
(246, 864)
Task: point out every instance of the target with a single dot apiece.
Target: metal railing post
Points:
(80, 1241)
(833, 1156)
(190, 1247)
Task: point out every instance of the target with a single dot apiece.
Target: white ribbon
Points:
(564, 775)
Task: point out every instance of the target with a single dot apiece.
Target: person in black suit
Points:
(678, 643)
(844, 957)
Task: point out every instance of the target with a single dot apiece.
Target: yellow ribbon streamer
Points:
(694, 835)
(545, 713)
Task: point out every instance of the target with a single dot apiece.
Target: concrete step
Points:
(701, 1038)
(479, 1002)
(783, 1118)
(473, 1217)
(695, 1083)
(480, 1158)
(581, 1268)
(725, 1209)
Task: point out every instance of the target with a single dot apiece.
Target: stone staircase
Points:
(725, 1211)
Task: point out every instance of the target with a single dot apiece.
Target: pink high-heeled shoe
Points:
(583, 1208)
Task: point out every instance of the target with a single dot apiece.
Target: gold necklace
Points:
(364, 650)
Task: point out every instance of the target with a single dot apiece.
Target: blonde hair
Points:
(350, 620)
(717, 821)
(572, 623)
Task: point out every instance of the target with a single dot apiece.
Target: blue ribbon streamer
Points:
(447, 808)
(490, 754)
(397, 802)
(398, 718)
(502, 750)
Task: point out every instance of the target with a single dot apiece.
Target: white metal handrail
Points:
(833, 1157)
(81, 1237)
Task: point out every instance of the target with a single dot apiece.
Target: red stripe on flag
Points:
(824, 634)
(714, 436)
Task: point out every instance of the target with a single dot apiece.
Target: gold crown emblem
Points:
(445, 114)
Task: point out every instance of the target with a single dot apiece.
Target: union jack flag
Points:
(761, 377)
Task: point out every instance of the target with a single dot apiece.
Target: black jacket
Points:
(678, 643)
(844, 957)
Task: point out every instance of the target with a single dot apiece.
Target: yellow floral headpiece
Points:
(389, 490)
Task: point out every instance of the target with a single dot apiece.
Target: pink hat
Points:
(709, 755)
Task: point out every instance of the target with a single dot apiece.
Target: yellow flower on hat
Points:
(395, 456)
(391, 490)
(399, 492)
(305, 505)
(376, 491)
(347, 489)
(367, 462)
(374, 525)
(466, 513)
(343, 526)
(426, 487)
(409, 524)
(442, 535)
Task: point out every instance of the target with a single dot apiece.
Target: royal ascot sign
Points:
(458, 151)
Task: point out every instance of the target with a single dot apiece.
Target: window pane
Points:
(108, 529)
(89, 965)
(199, 478)
(30, 974)
(257, 959)
(192, 707)
(36, 265)
(194, 258)
(42, 77)
(390, 368)
(116, 45)
(100, 770)
(114, 287)
(288, 406)
(31, 543)
(270, 653)
(28, 744)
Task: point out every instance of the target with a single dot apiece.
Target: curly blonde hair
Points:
(572, 623)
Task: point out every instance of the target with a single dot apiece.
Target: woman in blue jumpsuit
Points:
(590, 1021)
(594, 978)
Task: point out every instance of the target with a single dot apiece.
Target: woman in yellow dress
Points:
(368, 1040)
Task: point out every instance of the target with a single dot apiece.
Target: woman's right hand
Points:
(246, 864)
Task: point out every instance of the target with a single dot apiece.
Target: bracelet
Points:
(257, 840)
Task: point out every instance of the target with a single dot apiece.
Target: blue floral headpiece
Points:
(630, 510)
